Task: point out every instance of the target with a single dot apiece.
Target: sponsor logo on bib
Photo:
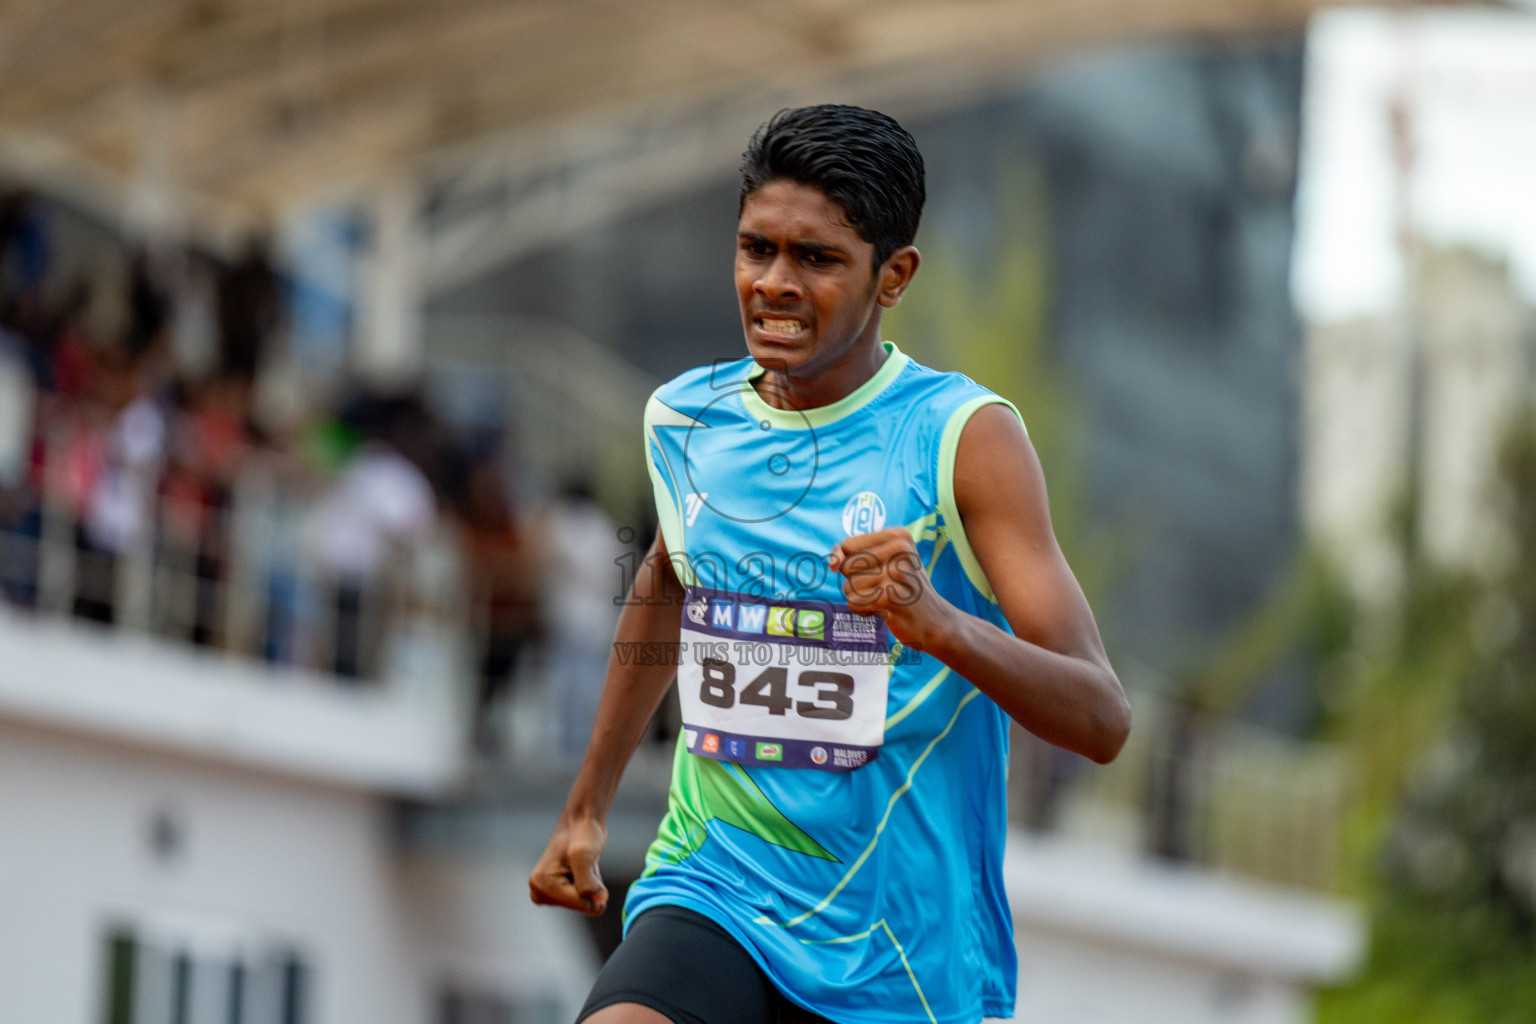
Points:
(810, 623)
(692, 736)
(819, 755)
(849, 758)
(770, 752)
(850, 628)
(864, 513)
(698, 610)
(752, 618)
(711, 744)
(781, 621)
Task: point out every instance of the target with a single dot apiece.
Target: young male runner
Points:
(834, 838)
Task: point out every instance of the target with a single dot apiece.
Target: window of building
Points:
(155, 980)
(464, 1006)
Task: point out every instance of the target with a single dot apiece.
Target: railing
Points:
(1210, 792)
(227, 562)
(233, 577)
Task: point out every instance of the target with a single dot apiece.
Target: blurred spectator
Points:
(158, 472)
(64, 355)
(148, 307)
(194, 327)
(583, 548)
(273, 494)
(379, 503)
(23, 244)
(209, 448)
(250, 309)
(133, 449)
(18, 519)
(17, 396)
(504, 587)
(112, 459)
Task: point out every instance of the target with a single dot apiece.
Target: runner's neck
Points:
(789, 392)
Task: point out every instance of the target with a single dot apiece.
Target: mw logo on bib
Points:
(793, 684)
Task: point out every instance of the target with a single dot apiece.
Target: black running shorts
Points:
(685, 967)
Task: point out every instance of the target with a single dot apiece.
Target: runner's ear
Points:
(896, 273)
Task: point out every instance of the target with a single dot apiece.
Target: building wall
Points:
(1106, 939)
(475, 935)
(220, 861)
(1355, 428)
(1418, 399)
(1477, 376)
(98, 835)
(1066, 978)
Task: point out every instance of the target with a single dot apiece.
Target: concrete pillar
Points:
(388, 343)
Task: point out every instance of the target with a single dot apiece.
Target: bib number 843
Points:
(833, 691)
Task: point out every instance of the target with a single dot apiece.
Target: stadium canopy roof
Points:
(230, 110)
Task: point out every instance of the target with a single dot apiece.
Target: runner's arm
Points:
(1051, 675)
(567, 874)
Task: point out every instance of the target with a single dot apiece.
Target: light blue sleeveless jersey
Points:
(866, 881)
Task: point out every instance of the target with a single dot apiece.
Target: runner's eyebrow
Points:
(801, 246)
(818, 249)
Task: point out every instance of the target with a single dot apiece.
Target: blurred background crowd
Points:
(155, 479)
(325, 332)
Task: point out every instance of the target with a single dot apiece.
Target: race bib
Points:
(794, 684)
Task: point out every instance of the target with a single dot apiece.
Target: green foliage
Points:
(1433, 699)
(1443, 719)
(1430, 968)
(1309, 613)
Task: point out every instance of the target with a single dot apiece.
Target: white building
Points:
(1107, 939)
(184, 833)
(1415, 404)
(1415, 274)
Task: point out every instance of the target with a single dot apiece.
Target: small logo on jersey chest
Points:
(864, 513)
(692, 504)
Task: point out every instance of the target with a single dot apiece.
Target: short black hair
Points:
(862, 160)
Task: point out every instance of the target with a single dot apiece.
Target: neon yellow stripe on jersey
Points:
(954, 529)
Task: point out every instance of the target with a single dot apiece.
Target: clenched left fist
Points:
(883, 576)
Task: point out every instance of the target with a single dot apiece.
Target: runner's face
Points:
(804, 278)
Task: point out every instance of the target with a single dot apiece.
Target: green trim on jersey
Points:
(704, 790)
(669, 516)
(949, 511)
(824, 415)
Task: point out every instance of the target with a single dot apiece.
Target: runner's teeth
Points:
(783, 326)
